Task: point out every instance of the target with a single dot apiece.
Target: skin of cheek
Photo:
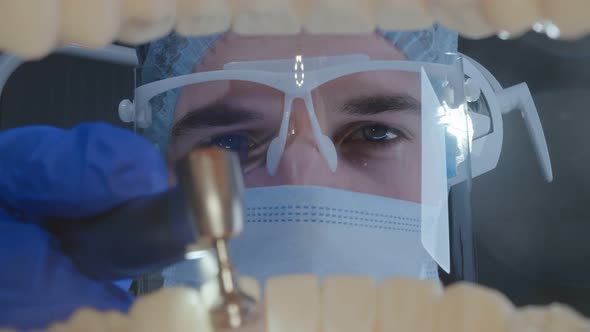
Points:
(396, 175)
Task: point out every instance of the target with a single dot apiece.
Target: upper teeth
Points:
(466, 16)
(81, 22)
(570, 16)
(511, 17)
(403, 14)
(202, 17)
(301, 303)
(144, 20)
(32, 29)
(271, 16)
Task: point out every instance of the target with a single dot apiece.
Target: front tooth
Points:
(251, 287)
(173, 309)
(89, 22)
(348, 304)
(463, 16)
(403, 14)
(292, 304)
(144, 20)
(116, 321)
(337, 16)
(29, 28)
(564, 318)
(467, 307)
(554, 318)
(534, 318)
(570, 16)
(266, 17)
(527, 320)
(408, 304)
(57, 327)
(85, 319)
(202, 17)
(210, 291)
(551, 318)
(513, 17)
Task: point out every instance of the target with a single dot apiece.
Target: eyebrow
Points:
(223, 115)
(214, 115)
(381, 103)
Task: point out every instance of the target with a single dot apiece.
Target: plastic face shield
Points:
(397, 129)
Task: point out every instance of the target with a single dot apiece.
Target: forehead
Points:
(233, 47)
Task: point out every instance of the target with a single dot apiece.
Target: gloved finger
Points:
(40, 285)
(50, 172)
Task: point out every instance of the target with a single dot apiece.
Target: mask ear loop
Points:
(277, 145)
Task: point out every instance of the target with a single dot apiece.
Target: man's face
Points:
(373, 118)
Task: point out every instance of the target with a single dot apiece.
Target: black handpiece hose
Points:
(138, 237)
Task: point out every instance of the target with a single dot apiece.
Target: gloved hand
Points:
(52, 173)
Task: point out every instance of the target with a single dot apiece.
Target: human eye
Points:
(371, 135)
(249, 150)
(238, 143)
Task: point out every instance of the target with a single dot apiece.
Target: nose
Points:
(302, 163)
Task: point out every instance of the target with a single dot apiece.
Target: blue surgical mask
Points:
(325, 231)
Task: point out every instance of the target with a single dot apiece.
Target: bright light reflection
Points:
(299, 70)
(195, 254)
(460, 125)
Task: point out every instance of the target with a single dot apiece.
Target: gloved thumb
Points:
(50, 172)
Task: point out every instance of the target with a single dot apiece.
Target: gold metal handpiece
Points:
(212, 182)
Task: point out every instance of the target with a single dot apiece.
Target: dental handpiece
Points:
(197, 217)
(213, 189)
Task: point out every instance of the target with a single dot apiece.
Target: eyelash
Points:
(255, 143)
(346, 137)
(358, 127)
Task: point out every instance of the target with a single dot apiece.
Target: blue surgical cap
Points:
(175, 55)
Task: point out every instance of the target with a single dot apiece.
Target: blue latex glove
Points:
(48, 172)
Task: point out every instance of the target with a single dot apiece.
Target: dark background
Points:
(533, 238)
